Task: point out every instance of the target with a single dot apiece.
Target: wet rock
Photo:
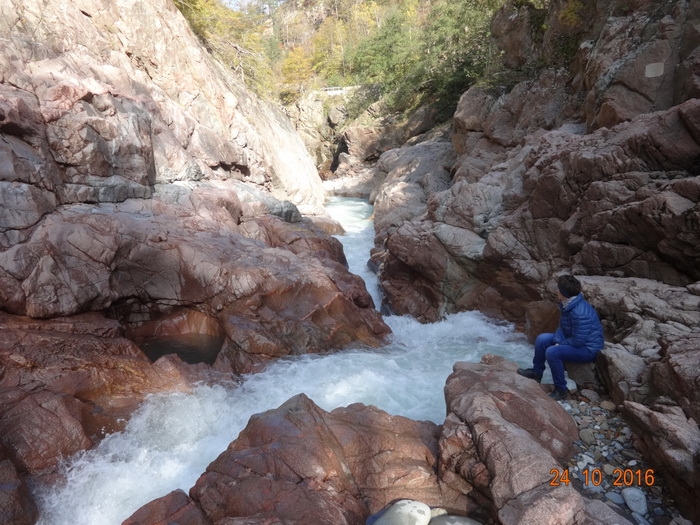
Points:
(175, 507)
(68, 382)
(334, 468)
(16, 504)
(42, 428)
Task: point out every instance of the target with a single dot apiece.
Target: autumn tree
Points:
(415, 51)
(296, 74)
(234, 37)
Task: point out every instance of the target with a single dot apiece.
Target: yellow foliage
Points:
(296, 67)
(231, 37)
(328, 47)
(571, 15)
(364, 18)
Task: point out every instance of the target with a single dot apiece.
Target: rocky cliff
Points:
(147, 199)
(589, 166)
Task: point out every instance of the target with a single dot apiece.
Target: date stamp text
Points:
(621, 477)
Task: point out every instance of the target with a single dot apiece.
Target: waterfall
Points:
(171, 438)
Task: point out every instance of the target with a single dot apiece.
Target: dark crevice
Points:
(342, 148)
(225, 166)
(191, 348)
(160, 330)
(12, 128)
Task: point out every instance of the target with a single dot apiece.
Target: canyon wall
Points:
(584, 158)
(147, 198)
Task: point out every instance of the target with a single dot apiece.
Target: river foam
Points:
(171, 438)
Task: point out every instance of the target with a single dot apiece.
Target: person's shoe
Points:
(530, 374)
(558, 394)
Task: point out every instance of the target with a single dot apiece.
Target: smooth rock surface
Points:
(635, 500)
(405, 512)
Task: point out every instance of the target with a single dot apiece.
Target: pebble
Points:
(640, 519)
(607, 405)
(615, 498)
(587, 436)
(592, 395)
(635, 499)
(605, 454)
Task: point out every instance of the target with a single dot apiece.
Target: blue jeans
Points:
(555, 355)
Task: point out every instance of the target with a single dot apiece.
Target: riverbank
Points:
(607, 466)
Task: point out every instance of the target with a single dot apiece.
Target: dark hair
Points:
(569, 286)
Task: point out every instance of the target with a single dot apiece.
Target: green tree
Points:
(428, 51)
(415, 51)
(389, 54)
(455, 41)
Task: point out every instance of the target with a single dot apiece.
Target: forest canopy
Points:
(412, 51)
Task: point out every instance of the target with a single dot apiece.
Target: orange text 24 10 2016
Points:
(621, 477)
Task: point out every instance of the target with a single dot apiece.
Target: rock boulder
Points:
(299, 463)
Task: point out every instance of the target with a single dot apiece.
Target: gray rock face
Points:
(317, 130)
(124, 152)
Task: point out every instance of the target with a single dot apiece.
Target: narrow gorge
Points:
(151, 203)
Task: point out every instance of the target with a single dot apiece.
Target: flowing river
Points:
(171, 438)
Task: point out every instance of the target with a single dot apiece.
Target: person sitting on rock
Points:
(578, 339)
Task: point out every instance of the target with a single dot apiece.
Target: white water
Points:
(172, 438)
(356, 217)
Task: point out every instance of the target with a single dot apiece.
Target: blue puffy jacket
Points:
(579, 325)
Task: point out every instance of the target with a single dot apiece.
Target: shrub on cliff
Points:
(235, 38)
